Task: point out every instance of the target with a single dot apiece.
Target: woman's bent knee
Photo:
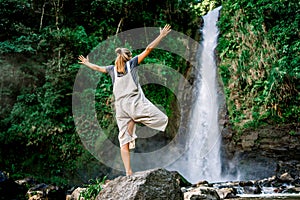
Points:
(125, 147)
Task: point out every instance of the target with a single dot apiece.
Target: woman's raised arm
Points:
(86, 62)
(163, 33)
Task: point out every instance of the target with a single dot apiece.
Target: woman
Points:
(131, 105)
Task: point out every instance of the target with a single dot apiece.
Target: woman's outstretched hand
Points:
(166, 30)
(83, 60)
(86, 62)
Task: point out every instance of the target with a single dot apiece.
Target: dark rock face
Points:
(261, 153)
(146, 185)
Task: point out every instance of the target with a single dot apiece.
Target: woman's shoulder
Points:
(109, 68)
(134, 61)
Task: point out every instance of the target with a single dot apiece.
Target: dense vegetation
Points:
(39, 45)
(260, 62)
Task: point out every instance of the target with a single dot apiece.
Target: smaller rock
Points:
(255, 189)
(44, 191)
(76, 194)
(35, 197)
(272, 178)
(226, 193)
(297, 182)
(183, 189)
(201, 183)
(26, 181)
(194, 194)
(296, 189)
(197, 197)
(293, 190)
(286, 177)
(210, 193)
(246, 183)
(201, 192)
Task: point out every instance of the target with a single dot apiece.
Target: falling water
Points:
(202, 159)
(204, 155)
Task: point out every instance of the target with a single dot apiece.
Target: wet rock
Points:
(227, 190)
(255, 189)
(297, 182)
(286, 177)
(206, 193)
(145, 185)
(295, 190)
(201, 183)
(258, 153)
(210, 193)
(226, 193)
(197, 197)
(291, 190)
(246, 183)
(28, 181)
(267, 182)
(292, 167)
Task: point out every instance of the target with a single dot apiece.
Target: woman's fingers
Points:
(83, 59)
(166, 29)
(80, 58)
(167, 26)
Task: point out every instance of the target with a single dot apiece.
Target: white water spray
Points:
(202, 159)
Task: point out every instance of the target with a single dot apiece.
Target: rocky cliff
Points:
(263, 152)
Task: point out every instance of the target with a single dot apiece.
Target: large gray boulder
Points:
(154, 184)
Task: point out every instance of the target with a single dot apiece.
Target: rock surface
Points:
(76, 194)
(256, 154)
(146, 185)
(283, 186)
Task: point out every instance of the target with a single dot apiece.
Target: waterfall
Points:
(202, 159)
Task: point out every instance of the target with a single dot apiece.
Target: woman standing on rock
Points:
(130, 102)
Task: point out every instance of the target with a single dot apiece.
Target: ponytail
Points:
(123, 55)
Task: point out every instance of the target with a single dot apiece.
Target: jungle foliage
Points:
(260, 61)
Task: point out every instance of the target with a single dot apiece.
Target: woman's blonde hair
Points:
(123, 55)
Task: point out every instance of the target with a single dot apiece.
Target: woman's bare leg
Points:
(125, 152)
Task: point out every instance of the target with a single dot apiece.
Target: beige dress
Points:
(131, 103)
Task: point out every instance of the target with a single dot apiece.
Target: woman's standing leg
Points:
(125, 152)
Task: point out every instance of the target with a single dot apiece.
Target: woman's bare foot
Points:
(129, 173)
